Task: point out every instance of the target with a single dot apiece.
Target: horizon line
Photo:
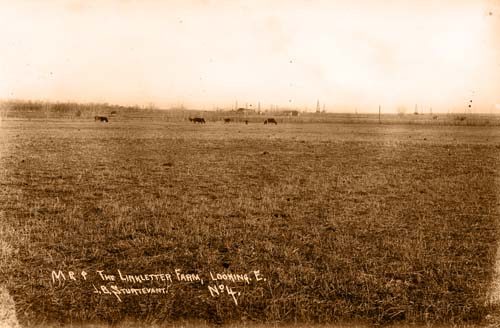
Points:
(396, 110)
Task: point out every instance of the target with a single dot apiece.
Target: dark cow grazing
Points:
(227, 120)
(200, 120)
(113, 112)
(101, 118)
(246, 122)
(271, 120)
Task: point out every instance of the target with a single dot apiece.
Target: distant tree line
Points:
(63, 109)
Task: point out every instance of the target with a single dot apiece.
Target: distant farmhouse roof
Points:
(245, 110)
(291, 112)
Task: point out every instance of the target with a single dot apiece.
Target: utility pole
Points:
(379, 110)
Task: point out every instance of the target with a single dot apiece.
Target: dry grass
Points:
(362, 223)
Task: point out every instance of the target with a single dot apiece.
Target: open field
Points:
(343, 222)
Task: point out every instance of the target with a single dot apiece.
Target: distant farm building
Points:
(245, 111)
(291, 112)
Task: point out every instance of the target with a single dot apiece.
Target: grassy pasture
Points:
(18, 109)
(347, 222)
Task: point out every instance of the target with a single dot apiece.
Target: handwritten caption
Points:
(120, 284)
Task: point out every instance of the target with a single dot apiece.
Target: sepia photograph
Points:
(250, 163)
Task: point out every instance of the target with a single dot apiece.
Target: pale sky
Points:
(348, 54)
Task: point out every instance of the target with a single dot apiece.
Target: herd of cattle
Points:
(200, 120)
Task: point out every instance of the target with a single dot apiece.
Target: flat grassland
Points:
(345, 222)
